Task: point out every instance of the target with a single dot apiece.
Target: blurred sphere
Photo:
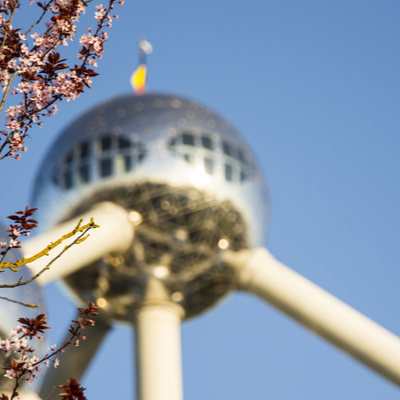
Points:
(186, 177)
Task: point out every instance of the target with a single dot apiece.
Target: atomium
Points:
(189, 182)
(177, 186)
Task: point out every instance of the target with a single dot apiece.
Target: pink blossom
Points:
(16, 331)
(13, 229)
(41, 87)
(10, 373)
(5, 344)
(14, 243)
(35, 359)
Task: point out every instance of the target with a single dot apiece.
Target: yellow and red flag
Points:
(138, 79)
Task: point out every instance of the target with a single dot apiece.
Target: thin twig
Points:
(3, 100)
(5, 33)
(78, 240)
(41, 17)
(19, 302)
(52, 390)
(14, 393)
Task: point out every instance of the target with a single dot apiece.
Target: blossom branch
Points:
(45, 78)
(45, 9)
(23, 226)
(6, 91)
(26, 367)
(13, 7)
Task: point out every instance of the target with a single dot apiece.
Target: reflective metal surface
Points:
(187, 178)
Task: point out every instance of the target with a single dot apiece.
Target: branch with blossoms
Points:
(44, 77)
(25, 366)
(14, 266)
(41, 78)
(23, 226)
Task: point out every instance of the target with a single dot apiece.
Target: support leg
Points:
(158, 348)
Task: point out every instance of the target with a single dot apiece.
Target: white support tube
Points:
(158, 350)
(261, 274)
(115, 234)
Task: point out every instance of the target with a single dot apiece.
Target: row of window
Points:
(117, 155)
(103, 146)
(106, 167)
(127, 163)
(114, 156)
(231, 173)
(206, 142)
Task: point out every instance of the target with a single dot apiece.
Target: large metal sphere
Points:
(183, 172)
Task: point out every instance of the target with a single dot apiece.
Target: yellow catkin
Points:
(45, 252)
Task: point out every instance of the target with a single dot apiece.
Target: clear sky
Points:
(314, 87)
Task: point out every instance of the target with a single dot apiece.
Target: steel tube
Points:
(261, 274)
(158, 350)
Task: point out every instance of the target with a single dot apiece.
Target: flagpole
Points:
(139, 76)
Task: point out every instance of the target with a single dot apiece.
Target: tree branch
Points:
(19, 302)
(14, 266)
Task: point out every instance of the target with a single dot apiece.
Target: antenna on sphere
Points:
(138, 79)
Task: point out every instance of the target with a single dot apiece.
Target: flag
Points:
(138, 79)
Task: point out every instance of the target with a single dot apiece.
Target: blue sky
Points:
(314, 88)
